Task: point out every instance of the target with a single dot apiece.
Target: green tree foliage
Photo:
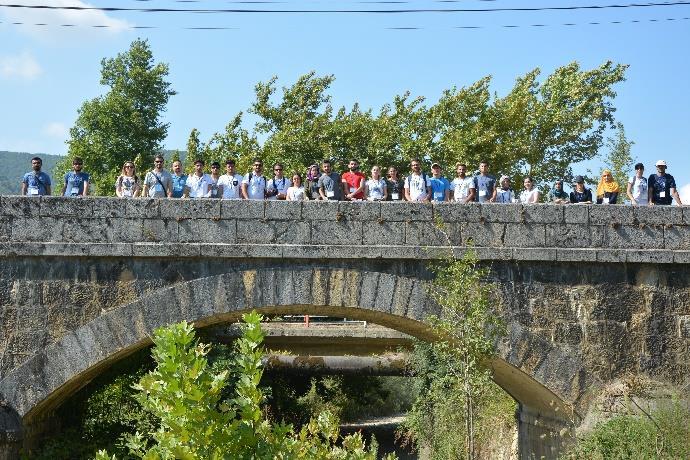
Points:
(619, 159)
(196, 422)
(539, 128)
(125, 123)
(456, 413)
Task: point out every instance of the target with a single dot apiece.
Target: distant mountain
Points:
(16, 164)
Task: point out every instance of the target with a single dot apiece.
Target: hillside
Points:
(16, 164)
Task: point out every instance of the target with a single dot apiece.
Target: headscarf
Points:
(309, 175)
(604, 187)
(558, 194)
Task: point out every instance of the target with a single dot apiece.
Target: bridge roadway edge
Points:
(618, 240)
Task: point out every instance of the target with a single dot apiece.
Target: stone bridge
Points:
(590, 294)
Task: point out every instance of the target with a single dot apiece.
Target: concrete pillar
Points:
(11, 434)
(541, 436)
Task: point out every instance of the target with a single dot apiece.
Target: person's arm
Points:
(24, 187)
(630, 195)
(429, 192)
(493, 194)
(85, 191)
(535, 198)
(385, 191)
(118, 187)
(650, 191)
(64, 186)
(346, 189)
(243, 189)
(676, 196)
(407, 192)
(448, 193)
(322, 190)
(471, 196)
(137, 190)
(362, 182)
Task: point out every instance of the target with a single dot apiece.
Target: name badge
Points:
(33, 191)
(214, 192)
(662, 194)
(353, 190)
(330, 194)
(482, 193)
(74, 191)
(438, 196)
(606, 200)
(158, 188)
(395, 196)
(127, 192)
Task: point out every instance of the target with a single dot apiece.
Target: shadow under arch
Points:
(529, 374)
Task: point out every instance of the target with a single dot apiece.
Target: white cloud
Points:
(684, 193)
(56, 129)
(22, 66)
(82, 20)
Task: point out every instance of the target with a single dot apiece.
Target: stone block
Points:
(394, 211)
(60, 206)
(20, 206)
(193, 208)
(611, 214)
(677, 237)
(611, 255)
(686, 214)
(107, 206)
(568, 333)
(430, 234)
(166, 249)
(147, 208)
(629, 236)
(525, 236)
(110, 249)
(124, 230)
(261, 251)
(574, 236)
(283, 210)
(163, 230)
(342, 232)
(543, 213)
(37, 229)
(535, 254)
(649, 256)
(299, 251)
(655, 215)
(5, 228)
(274, 231)
(576, 255)
(85, 230)
(207, 230)
(502, 212)
(576, 214)
(242, 209)
(493, 253)
(383, 233)
(65, 249)
(355, 252)
(320, 210)
(684, 326)
(222, 250)
(681, 257)
(457, 212)
(360, 210)
(482, 235)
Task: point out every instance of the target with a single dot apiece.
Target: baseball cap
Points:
(579, 180)
(661, 163)
(435, 165)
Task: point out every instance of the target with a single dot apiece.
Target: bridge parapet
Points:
(344, 230)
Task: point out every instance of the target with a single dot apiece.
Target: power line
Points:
(346, 11)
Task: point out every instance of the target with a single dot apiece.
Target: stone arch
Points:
(541, 377)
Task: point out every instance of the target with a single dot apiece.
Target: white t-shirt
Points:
(278, 184)
(417, 186)
(461, 188)
(375, 189)
(256, 186)
(231, 186)
(199, 187)
(640, 189)
(295, 194)
(529, 196)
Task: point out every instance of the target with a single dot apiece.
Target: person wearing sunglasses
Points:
(278, 186)
(76, 182)
(127, 183)
(230, 182)
(158, 182)
(254, 182)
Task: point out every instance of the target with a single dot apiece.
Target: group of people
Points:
(322, 183)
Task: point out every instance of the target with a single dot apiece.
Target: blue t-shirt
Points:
(179, 183)
(74, 183)
(439, 186)
(484, 187)
(661, 188)
(36, 183)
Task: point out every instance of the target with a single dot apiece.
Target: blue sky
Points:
(46, 72)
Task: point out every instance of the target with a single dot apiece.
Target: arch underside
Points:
(538, 375)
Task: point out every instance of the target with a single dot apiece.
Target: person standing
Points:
(638, 192)
(531, 193)
(394, 185)
(353, 182)
(76, 182)
(296, 191)
(312, 188)
(36, 182)
(179, 180)
(214, 189)
(330, 186)
(440, 187)
(505, 193)
(276, 189)
(485, 184)
(375, 188)
(158, 181)
(230, 182)
(199, 183)
(607, 190)
(581, 194)
(462, 190)
(127, 183)
(662, 187)
(254, 183)
(417, 184)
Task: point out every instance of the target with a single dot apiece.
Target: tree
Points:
(196, 423)
(125, 123)
(450, 417)
(619, 160)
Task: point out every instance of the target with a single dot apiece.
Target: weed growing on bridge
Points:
(197, 423)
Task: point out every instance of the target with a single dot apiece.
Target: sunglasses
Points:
(129, 166)
(257, 165)
(157, 162)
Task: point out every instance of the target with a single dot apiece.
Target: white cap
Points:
(661, 163)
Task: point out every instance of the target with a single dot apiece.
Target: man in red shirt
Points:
(353, 182)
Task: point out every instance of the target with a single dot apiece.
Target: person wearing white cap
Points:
(662, 186)
(505, 194)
